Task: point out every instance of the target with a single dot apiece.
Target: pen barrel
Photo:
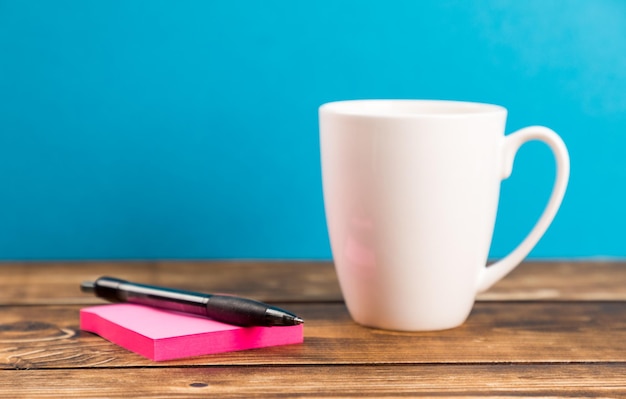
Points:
(108, 288)
(224, 308)
(117, 290)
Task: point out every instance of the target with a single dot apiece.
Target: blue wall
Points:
(188, 129)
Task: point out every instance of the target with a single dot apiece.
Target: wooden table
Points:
(547, 330)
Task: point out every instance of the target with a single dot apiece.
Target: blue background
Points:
(188, 129)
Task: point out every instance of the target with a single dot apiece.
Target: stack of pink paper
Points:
(164, 335)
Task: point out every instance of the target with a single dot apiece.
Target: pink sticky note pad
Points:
(163, 335)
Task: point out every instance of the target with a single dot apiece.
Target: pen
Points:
(224, 308)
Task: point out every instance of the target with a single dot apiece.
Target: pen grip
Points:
(235, 310)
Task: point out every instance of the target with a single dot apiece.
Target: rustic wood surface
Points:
(57, 283)
(546, 330)
(456, 381)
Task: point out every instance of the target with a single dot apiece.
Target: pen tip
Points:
(87, 286)
(298, 320)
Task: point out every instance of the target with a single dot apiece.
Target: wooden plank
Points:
(458, 381)
(497, 332)
(562, 281)
(58, 282)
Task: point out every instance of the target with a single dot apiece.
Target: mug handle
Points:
(491, 274)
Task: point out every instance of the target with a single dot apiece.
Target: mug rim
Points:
(410, 108)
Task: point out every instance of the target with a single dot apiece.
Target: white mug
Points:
(411, 191)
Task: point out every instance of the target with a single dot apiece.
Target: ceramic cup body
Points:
(411, 193)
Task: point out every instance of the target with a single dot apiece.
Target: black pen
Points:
(224, 308)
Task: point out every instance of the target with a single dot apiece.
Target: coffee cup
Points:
(411, 191)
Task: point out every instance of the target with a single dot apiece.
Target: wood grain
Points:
(44, 283)
(467, 381)
(48, 337)
(546, 330)
(561, 281)
(57, 282)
